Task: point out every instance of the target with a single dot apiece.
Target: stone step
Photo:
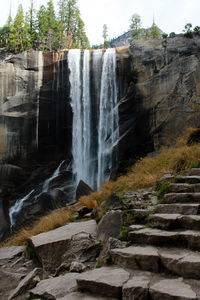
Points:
(83, 296)
(172, 221)
(178, 208)
(188, 179)
(106, 281)
(119, 284)
(182, 198)
(181, 262)
(147, 285)
(173, 289)
(194, 172)
(184, 188)
(151, 236)
(144, 258)
(140, 215)
(164, 221)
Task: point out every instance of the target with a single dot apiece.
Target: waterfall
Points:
(95, 117)
(108, 118)
(48, 181)
(95, 132)
(80, 102)
(15, 209)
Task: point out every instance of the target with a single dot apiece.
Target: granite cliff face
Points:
(167, 95)
(163, 94)
(158, 92)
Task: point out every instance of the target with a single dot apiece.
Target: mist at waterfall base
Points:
(95, 130)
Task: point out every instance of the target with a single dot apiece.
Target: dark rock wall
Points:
(55, 115)
(154, 107)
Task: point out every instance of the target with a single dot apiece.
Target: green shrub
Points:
(124, 233)
(164, 189)
(134, 75)
(128, 218)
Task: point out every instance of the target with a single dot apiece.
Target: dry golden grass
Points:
(149, 169)
(143, 174)
(51, 221)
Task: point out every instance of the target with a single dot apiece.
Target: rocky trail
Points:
(86, 260)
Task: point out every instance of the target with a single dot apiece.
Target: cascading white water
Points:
(81, 107)
(95, 133)
(15, 209)
(55, 174)
(108, 130)
(93, 166)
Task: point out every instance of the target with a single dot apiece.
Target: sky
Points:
(169, 15)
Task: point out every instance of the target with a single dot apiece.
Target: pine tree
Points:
(26, 37)
(5, 33)
(155, 33)
(71, 26)
(61, 22)
(42, 27)
(16, 38)
(32, 24)
(135, 26)
(52, 25)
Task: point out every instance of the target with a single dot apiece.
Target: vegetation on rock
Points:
(145, 173)
(44, 30)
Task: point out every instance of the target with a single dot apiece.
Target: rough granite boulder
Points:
(51, 247)
(83, 189)
(110, 225)
(55, 288)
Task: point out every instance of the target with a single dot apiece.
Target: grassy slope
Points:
(145, 173)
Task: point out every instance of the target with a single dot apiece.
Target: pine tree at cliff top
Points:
(16, 38)
(72, 28)
(44, 30)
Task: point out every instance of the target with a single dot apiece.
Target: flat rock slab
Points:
(190, 222)
(163, 221)
(141, 214)
(151, 236)
(106, 281)
(63, 233)
(154, 236)
(172, 289)
(51, 246)
(27, 283)
(170, 221)
(137, 288)
(81, 296)
(194, 172)
(182, 198)
(184, 188)
(181, 262)
(137, 227)
(55, 288)
(178, 208)
(137, 257)
(11, 252)
(190, 239)
(194, 179)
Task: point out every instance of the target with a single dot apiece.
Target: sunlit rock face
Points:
(20, 82)
(167, 95)
(158, 92)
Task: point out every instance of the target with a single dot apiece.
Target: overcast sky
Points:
(170, 15)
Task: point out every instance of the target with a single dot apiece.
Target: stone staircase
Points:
(163, 261)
